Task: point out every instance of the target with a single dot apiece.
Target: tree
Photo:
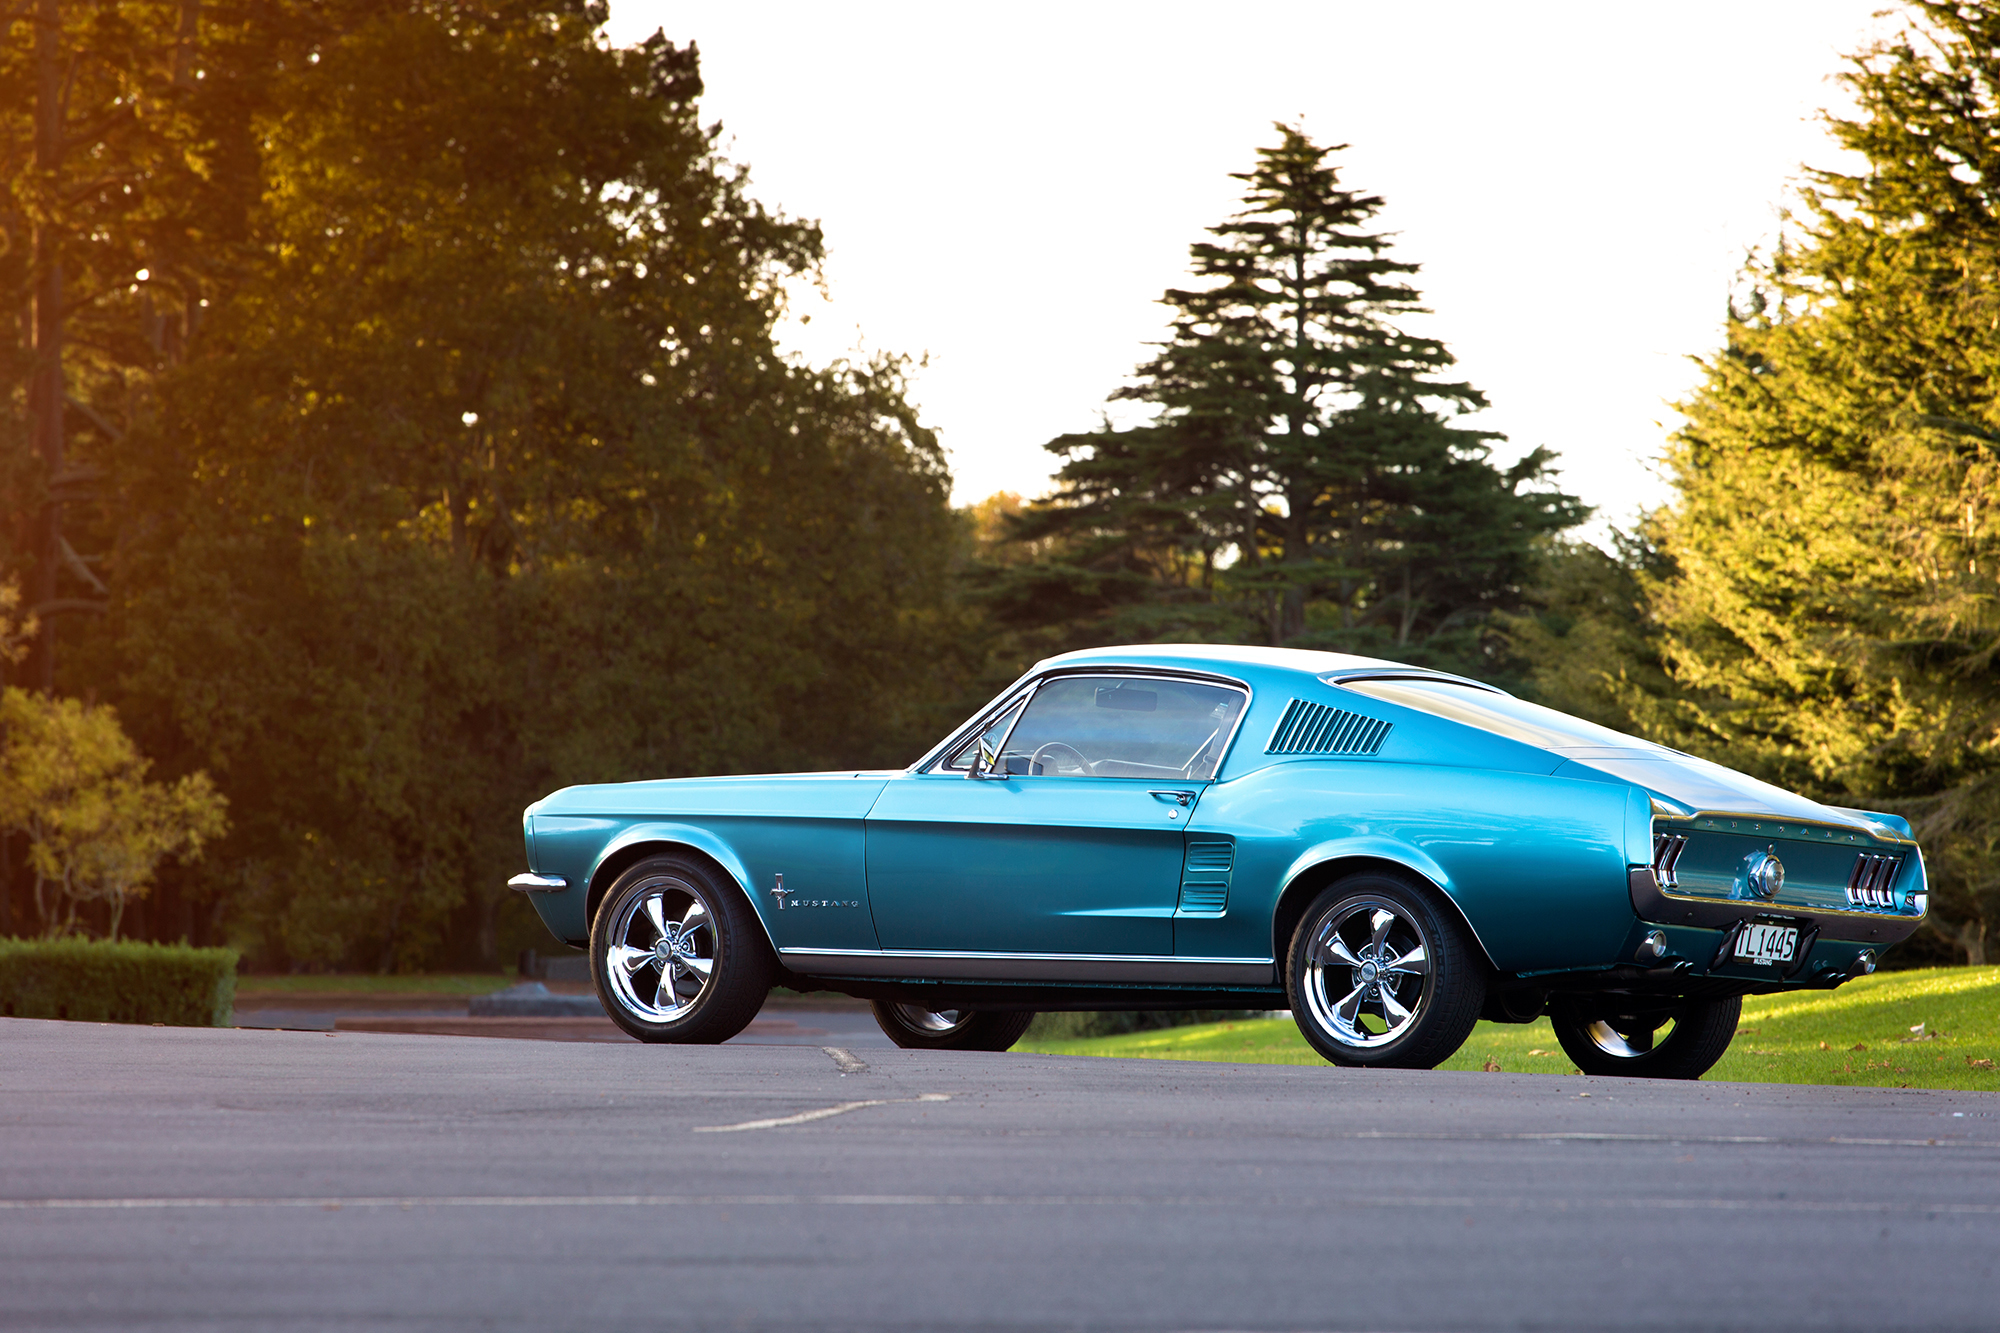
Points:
(1306, 478)
(481, 474)
(120, 190)
(1824, 603)
(73, 782)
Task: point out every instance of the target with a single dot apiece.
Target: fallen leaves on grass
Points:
(1860, 1045)
(1978, 1064)
(1491, 1066)
(1539, 1051)
(1824, 1047)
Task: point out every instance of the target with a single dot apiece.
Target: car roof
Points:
(1308, 661)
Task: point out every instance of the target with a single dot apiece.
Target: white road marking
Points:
(1557, 1136)
(1312, 1201)
(805, 1117)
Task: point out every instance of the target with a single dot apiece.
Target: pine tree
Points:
(1825, 600)
(1306, 478)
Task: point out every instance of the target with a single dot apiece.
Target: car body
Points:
(1151, 827)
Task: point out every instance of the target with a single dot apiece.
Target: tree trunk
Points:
(45, 396)
(1971, 937)
(489, 926)
(1409, 610)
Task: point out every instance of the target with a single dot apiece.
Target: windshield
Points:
(1503, 715)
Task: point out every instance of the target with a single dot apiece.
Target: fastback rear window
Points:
(1503, 715)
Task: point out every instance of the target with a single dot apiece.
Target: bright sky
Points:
(1006, 191)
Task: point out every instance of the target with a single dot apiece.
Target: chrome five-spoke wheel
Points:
(921, 1028)
(1382, 972)
(663, 951)
(939, 1021)
(677, 955)
(1676, 1040)
(1375, 962)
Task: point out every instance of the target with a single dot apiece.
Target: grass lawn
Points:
(364, 983)
(1864, 1034)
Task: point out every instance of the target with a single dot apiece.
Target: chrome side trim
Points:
(1888, 835)
(528, 883)
(1080, 967)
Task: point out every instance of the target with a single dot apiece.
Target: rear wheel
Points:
(918, 1028)
(1382, 973)
(1684, 1041)
(677, 955)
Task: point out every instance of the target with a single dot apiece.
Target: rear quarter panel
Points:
(1536, 863)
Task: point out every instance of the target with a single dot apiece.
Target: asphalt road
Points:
(179, 1178)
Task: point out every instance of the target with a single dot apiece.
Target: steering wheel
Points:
(1035, 763)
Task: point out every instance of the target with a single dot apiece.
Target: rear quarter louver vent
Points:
(1205, 880)
(1310, 728)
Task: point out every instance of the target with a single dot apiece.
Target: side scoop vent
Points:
(1205, 880)
(1310, 728)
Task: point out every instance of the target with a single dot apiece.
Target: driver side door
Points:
(1072, 842)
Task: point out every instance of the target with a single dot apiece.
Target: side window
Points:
(1123, 727)
(961, 758)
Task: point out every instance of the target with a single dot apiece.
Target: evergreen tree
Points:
(1306, 478)
(1824, 592)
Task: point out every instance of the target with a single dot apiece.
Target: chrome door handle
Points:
(1183, 799)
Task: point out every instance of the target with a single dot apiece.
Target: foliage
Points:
(1305, 479)
(1923, 1029)
(1117, 1022)
(75, 785)
(1819, 604)
(123, 982)
(267, 988)
(1586, 641)
(476, 471)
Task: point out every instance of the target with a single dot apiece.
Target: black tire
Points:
(723, 937)
(1628, 1045)
(919, 1029)
(1347, 1010)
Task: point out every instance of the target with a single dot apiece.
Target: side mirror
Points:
(984, 760)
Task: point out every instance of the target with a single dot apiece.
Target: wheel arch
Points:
(1312, 872)
(640, 842)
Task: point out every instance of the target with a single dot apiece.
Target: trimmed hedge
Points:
(99, 982)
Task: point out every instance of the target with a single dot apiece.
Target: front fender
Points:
(687, 835)
(578, 849)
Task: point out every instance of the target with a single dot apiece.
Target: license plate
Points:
(1760, 942)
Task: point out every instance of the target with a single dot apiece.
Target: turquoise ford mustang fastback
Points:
(1393, 853)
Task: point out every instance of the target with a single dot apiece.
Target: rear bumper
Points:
(1651, 903)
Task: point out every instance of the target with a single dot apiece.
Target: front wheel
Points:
(1381, 972)
(1682, 1042)
(677, 954)
(917, 1028)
